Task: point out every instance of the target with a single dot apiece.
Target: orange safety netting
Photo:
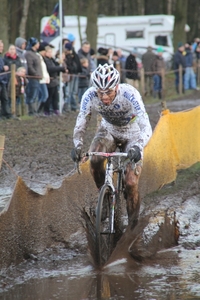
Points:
(174, 145)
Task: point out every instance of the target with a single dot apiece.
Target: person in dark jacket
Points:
(147, 60)
(20, 85)
(179, 60)
(20, 44)
(5, 109)
(53, 69)
(158, 66)
(74, 67)
(84, 52)
(11, 58)
(189, 77)
(34, 75)
(131, 67)
(84, 79)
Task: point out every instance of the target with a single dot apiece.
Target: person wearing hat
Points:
(34, 74)
(179, 60)
(158, 66)
(131, 67)
(71, 37)
(20, 44)
(189, 77)
(147, 60)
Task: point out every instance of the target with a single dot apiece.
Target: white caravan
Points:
(125, 32)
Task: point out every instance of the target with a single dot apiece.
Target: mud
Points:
(39, 151)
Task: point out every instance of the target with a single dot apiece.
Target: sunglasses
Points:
(107, 93)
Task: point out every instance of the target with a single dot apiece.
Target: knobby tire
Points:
(104, 239)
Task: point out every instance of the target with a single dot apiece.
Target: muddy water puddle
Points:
(62, 274)
(66, 274)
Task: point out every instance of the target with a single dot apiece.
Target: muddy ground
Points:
(38, 148)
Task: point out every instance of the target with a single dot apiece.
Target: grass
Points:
(169, 92)
(183, 180)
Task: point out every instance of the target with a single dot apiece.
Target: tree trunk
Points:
(140, 7)
(180, 21)
(4, 23)
(169, 7)
(22, 26)
(91, 29)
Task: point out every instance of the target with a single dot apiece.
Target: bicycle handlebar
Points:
(105, 154)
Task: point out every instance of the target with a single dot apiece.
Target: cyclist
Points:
(124, 120)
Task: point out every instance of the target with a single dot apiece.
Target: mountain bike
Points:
(108, 212)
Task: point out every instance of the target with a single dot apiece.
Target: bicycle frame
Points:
(109, 171)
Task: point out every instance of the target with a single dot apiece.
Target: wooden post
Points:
(180, 87)
(163, 83)
(13, 90)
(142, 82)
(2, 139)
(163, 103)
(198, 72)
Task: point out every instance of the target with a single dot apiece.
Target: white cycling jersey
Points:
(125, 118)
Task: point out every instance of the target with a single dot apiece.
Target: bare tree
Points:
(22, 26)
(4, 23)
(169, 7)
(91, 29)
(140, 4)
(179, 34)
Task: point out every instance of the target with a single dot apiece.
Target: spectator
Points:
(102, 56)
(20, 44)
(74, 67)
(189, 77)
(131, 67)
(147, 59)
(93, 60)
(43, 91)
(116, 62)
(157, 66)
(34, 73)
(122, 59)
(110, 56)
(197, 51)
(84, 52)
(65, 76)
(194, 45)
(84, 78)
(53, 69)
(11, 57)
(5, 109)
(71, 38)
(179, 60)
(20, 85)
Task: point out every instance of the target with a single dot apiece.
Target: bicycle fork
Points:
(109, 182)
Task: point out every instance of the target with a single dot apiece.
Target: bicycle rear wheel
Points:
(104, 237)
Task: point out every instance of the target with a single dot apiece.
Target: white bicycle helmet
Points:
(105, 77)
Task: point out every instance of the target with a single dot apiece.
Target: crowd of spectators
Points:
(38, 66)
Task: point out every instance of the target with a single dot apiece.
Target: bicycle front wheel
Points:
(104, 237)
